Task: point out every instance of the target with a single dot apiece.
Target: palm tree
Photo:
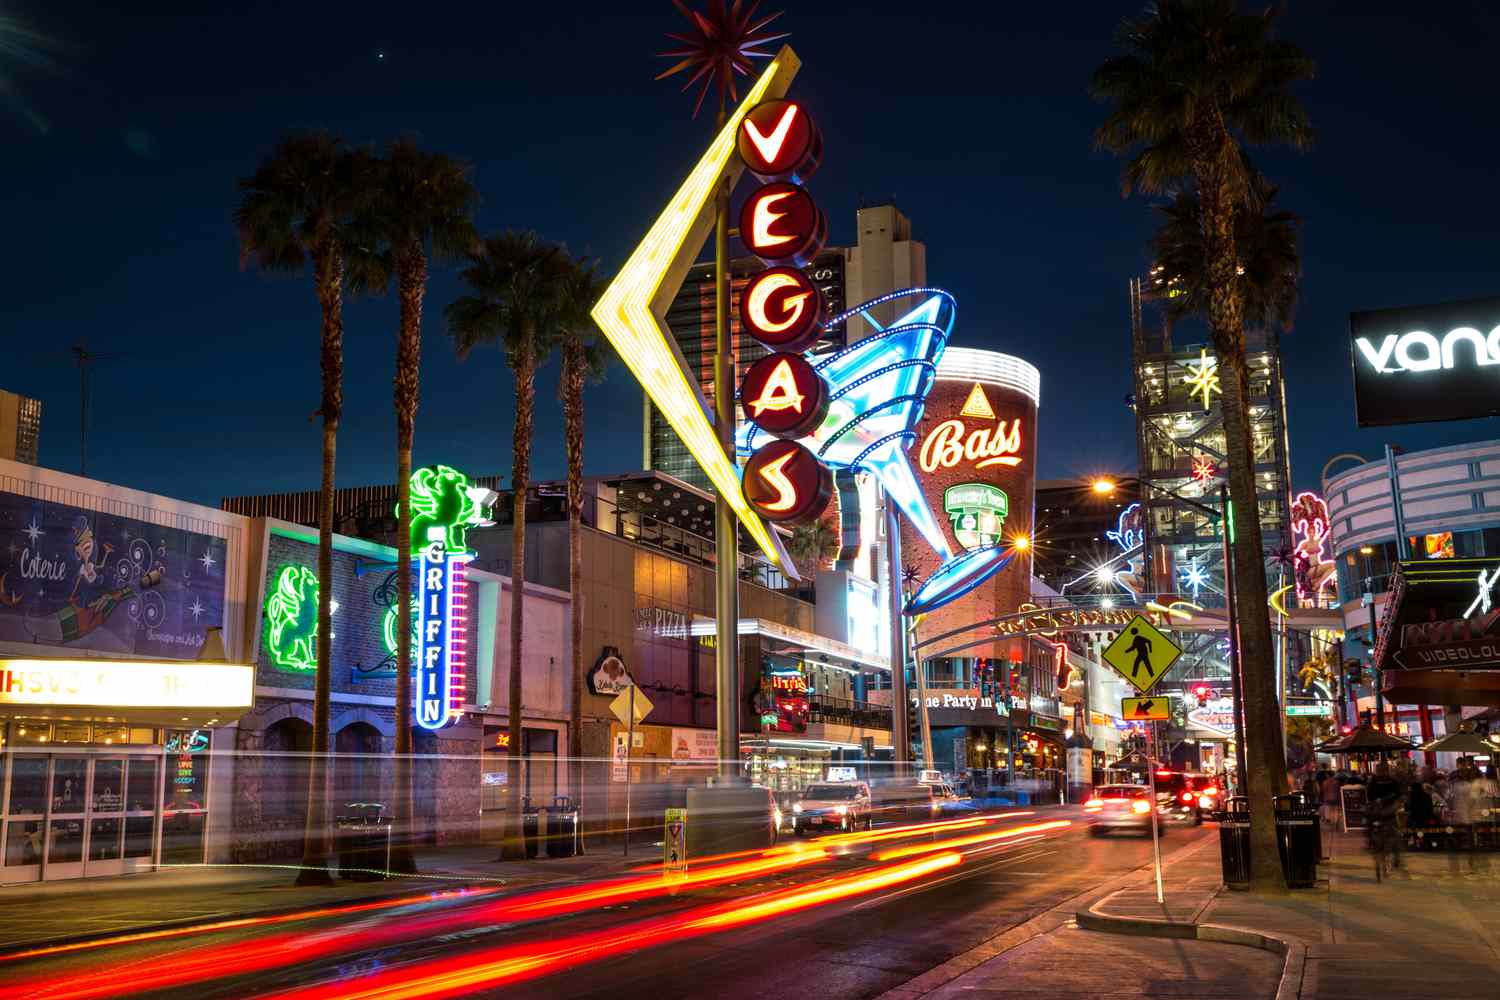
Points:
(584, 356)
(516, 282)
(1196, 82)
(423, 210)
(813, 544)
(296, 208)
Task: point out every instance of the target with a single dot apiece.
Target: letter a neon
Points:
(780, 392)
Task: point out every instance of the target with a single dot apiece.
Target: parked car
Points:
(1122, 807)
(950, 801)
(834, 805)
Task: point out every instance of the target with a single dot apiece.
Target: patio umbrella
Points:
(1365, 739)
(1462, 741)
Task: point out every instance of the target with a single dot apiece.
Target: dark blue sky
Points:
(974, 117)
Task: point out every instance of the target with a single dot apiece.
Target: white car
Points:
(830, 806)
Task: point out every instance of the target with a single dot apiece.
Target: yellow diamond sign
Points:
(1141, 654)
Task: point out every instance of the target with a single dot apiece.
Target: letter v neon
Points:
(769, 146)
(1378, 358)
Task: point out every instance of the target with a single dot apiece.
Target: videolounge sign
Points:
(1421, 363)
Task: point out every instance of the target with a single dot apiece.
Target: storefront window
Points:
(28, 785)
(139, 832)
(23, 842)
(140, 792)
(187, 774)
(66, 842)
(31, 732)
(104, 839)
(182, 838)
(67, 785)
(109, 785)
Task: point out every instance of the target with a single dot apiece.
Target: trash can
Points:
(1234, 842)
(562, 829)
(1297, 840)
(363, 835)
(531, 827)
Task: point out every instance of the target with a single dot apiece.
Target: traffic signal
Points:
(1202, 692)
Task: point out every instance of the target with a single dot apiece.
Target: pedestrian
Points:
(1310, 792)
(1384, 806)
(1330, 792)
(1461, 805)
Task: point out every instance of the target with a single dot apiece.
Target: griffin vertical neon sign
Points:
(443, 507)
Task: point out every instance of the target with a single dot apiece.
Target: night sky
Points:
(123, 147)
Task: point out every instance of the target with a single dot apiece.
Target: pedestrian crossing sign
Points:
(1141, 654)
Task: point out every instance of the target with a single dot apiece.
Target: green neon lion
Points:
(441, 505)
(292, 619)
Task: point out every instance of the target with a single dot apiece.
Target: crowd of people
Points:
(1458, 809)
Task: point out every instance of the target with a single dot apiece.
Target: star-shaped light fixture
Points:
(1195, 577)
(1204, 469)
(1205, 378)
(720, 44)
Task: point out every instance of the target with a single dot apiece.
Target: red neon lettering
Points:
(769, 146)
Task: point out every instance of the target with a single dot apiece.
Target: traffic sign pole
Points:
(629, 749)
(1155, 815)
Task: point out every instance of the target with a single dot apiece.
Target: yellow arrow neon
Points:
(632, 309)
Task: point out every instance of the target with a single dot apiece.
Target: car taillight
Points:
(1204, 802)
(1140, 806)
(1094, 804)
(1187, 796)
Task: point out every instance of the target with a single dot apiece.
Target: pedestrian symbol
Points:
(674, 844)
(1141, 654)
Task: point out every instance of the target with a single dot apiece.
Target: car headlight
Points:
(1204, 802)
(842, 810)
(797, 808)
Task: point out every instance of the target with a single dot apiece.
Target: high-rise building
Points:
(884, 258)
(1074, 550)
(1181, 450)
(20, 427)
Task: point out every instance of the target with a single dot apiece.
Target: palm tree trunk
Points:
(573, 372)
(1215, 160)
(328, 276)
(523, 365)
(411, 268)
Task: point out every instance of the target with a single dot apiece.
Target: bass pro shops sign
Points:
(1422, 363)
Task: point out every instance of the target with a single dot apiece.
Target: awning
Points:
(1439, 636)
(1365, 739)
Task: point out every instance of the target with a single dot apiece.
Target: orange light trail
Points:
(238, 958)
(496, 966)
(239, 922)
(969, 841)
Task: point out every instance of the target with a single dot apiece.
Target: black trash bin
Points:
(531, 830)
(1297, 840)
(562, 829)
(1234, 842)
(363, 836)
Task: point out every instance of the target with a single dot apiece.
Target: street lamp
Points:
(1103, 487)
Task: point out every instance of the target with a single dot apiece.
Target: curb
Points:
(1015, 935)
(1293, 953)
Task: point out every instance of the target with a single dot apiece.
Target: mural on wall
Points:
(95, 581)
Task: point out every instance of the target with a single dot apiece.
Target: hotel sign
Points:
(126, 684)
(1423, 363)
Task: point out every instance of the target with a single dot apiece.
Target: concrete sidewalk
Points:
(38, 912)
(1431, 930)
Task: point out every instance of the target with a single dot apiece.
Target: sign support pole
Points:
(726, 527)
(1234, 646)
(629, 750)
(900, 703)
(1155, 817)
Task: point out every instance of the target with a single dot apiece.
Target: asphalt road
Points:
(725, 940)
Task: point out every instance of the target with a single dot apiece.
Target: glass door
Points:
(25, 799)
(68, 818)
(106, 817)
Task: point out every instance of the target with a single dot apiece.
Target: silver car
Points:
(1121, 807)
(832, 805)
